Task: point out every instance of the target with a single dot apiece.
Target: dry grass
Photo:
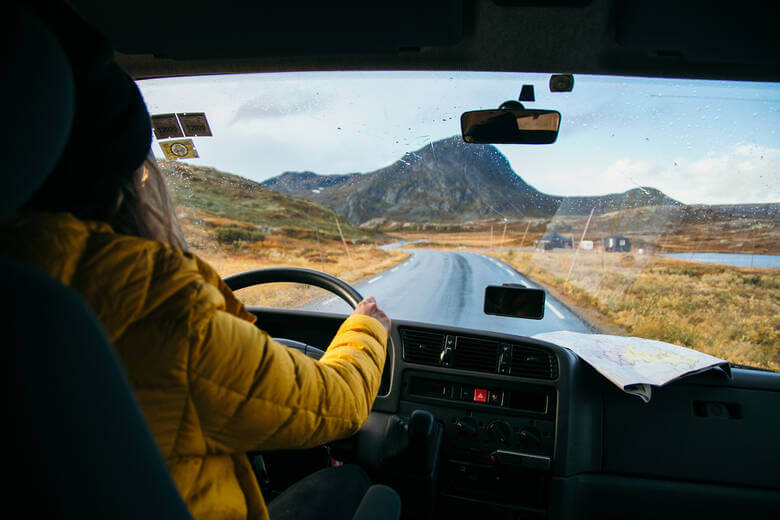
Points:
(278, 250)
(729, 312)
(659, 229)
(469, 239)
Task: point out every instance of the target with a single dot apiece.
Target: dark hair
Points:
(147, 209)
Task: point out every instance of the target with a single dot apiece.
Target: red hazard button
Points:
(480, 395)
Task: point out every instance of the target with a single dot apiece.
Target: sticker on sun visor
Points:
(183, 149)
(166, 126)
(195, 124)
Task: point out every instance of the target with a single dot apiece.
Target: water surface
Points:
(735, 259)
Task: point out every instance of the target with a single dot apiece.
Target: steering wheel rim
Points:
(295, 275)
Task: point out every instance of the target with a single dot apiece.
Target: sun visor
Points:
(694, 31)
(258, 29)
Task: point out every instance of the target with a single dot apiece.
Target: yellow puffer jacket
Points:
(211, 384)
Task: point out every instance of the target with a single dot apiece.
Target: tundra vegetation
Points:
(730, 312)
(237, 225)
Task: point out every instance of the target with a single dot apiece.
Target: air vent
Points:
(476, 354)
(422, 346)
(533, 362)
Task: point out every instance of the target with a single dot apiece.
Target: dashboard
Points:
(525, 429)
(504, 404)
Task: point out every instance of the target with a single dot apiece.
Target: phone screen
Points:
(514, 301)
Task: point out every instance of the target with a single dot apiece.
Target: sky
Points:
(700, 142)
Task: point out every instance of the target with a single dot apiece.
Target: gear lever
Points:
(420, 428)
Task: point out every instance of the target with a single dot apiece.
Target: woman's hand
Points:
(368, 307)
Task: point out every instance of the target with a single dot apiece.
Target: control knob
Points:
(466, 427)
(530, 438)
(500, 432)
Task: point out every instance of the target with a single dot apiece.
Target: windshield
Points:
(654, 214)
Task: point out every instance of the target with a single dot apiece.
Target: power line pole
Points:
(349, 257)
(524, 234)
(577, 250)
(319, 246)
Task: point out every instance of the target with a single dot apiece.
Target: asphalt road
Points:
(448, 288)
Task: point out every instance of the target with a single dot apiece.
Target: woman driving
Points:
(211, 384)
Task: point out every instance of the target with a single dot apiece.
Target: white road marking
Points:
(509, 272)
(394, 269)
(555, 311)
(380, 276)
(330, 300)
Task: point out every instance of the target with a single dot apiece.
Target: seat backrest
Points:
(83, 447)
(36, 96)
(80, 445)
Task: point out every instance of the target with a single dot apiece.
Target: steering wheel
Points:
(296, 275)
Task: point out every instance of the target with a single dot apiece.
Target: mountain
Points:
(212, 193)
(447, 180)
(294, 182)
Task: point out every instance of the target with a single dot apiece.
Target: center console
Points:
(498, 438)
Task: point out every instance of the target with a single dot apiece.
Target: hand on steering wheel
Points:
(325, 281)
(368, 307)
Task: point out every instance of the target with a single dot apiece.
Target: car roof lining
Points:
(663, 38)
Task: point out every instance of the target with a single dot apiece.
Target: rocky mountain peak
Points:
(446, 181)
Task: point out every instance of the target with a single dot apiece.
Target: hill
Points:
(209, 192)
(448, 180)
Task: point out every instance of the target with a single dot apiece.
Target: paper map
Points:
(634, 364)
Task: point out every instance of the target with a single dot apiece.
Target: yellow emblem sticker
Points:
(181, 149)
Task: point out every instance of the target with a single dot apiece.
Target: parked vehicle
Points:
(617, 243)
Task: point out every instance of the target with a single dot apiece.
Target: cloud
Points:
(628, 170)
(282, 102)
(745, 173)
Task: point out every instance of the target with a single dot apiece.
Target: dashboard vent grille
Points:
(476, 354)
(422, 346)
(533, 362)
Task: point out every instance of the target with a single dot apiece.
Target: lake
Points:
(735, 259)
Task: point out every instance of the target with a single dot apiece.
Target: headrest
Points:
(37, 99)
(111, 131)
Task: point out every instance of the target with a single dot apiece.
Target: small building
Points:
(617, 243)
(553, 241)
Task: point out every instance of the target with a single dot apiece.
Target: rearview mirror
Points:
(518, 126)
(515, 301)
